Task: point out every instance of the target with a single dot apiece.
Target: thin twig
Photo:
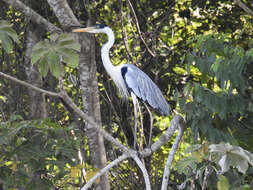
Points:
(124, 35)
(166, 173)
(104, 170)
(138, 29)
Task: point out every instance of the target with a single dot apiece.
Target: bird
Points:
(130, 80)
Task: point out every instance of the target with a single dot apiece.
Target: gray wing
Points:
(144, 88)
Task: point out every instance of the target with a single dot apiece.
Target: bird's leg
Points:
(135, 118)
(151, 125)
(142, 136)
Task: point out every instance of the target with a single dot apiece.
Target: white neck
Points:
(105, 51)
(112, 70)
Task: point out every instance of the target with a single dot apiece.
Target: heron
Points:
(130, 80)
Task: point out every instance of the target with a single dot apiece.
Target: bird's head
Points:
(98, 28)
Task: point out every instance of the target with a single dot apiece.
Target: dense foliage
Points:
(200, 53)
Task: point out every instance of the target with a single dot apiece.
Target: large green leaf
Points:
(38, 54)
(69, 56)
(7, 34)
(232, 156)
(70, 44)
(43, 66)
(60, 47)
(54, 64)
(6, 42)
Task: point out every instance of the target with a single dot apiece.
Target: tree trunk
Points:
(90, 97)
(37, 107)
(89, 86)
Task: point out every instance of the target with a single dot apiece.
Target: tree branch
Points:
(244, 7)
(166, 173)
(124, 35)
(176, 121)
(138, 29)
(104, 170)
(63, 13)
(34, 17)
(26, 84)
(144, 171)
(63, 94)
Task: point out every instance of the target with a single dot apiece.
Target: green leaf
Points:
(62, 46)
(43, 66)
(54, 64)
(232, 156)
(70, 44)
(9, 32)
(184, 166)
(64, 37)
(69, 56)
(223, 183)
(6, 42)
(38, 54)
(41, 45)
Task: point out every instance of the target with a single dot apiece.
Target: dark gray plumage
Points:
(144, 88)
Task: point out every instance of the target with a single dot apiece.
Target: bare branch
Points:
(175, 122)
(32, 15)
(124, 35)
(26, 84)
(104, 170)
(244, 7)
(63, 12)
(138, 29)
(89, 119)
(144, 171)
(166, 173)
(63, 94)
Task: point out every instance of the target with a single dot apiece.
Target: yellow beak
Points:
(88, 29)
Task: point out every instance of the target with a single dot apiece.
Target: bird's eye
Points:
(100, 26)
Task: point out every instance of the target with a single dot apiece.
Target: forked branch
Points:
(176, 122)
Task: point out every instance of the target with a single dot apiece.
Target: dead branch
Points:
(166, 173)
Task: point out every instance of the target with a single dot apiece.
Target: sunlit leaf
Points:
(60, 47)
(232, 156)
(223, 183)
